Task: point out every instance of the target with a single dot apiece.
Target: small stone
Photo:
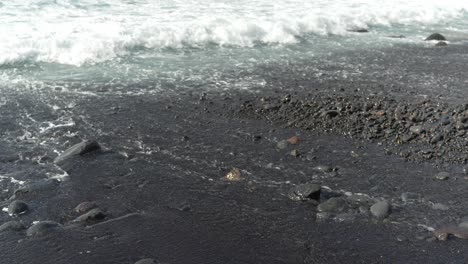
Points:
(416, 129)
(323, 168)
(94, 215)
(436, 138)
(233, 175)
(295, 153)
(12, 225)
(440, 206)
(401, 238)
(380, 209)
(42, 228)
(334, 204)
(78, 150)
(293, 140)
(282, 144)
(146, 261)
(17, 208)
(436, 36)
(84, 207)
(442, 176)
(37, 187)
(304, 192)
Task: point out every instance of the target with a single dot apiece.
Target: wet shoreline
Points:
(159, 180)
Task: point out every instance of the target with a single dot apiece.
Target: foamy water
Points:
(86, 40)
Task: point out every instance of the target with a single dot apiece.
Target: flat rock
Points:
(17, 207)
(85, 207)
(304, 192)
(12, 226)
(436, 36)
(42, 228)
(94, 215)
(78, 150)
(38, 186)
(380, 209)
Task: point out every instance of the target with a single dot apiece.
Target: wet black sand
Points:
(159, 178)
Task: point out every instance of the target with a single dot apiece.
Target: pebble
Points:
(146, 261)
(17, 207)
(94, 215)
(442, 176)
(37, 186)
(84, 207)
(416, 129)
(295, 153)
(293, 140)
(42, 228)
(380, 209)
(304, 192)
(334, 204)
(233, 175)
(323, 168)
(12, 225)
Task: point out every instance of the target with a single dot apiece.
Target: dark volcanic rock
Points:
(94, 215)
(17, 207)
(42, 228)
(304, 192)
(85, 207)
(12, 225)
(436, 36)
(78, 150)
(37, 187)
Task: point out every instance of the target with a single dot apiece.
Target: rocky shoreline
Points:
(280, 175)
(417, 131)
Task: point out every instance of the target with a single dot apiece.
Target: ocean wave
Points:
(92, 31)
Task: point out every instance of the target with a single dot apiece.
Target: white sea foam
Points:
(90, 31)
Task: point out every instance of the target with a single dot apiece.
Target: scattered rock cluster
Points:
(438, 130)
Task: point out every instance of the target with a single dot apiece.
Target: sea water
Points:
(194, 43)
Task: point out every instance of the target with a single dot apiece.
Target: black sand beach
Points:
(394, 132)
